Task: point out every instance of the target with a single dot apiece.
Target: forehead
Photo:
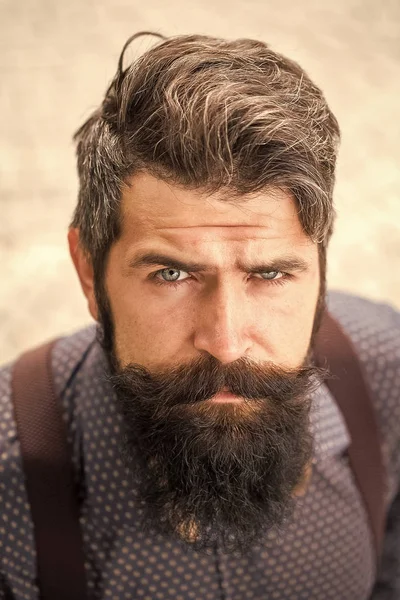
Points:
(152, 207)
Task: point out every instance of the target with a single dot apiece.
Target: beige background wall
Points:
(55, 61)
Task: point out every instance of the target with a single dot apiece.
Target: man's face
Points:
(213, 305)
(237, 279)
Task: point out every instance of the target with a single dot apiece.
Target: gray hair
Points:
(201, 112)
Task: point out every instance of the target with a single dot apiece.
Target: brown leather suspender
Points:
(49, 478)
(334, 349)
(48, 467)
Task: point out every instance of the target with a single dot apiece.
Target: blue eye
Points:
(270, 275)
(170, 274)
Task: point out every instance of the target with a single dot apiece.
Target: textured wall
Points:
(56, 59)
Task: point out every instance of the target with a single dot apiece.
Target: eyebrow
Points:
(284, 263)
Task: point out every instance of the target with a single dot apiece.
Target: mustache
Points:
(206, 376)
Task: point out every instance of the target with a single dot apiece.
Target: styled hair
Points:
(211, 114)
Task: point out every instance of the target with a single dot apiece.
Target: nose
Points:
(223, 323)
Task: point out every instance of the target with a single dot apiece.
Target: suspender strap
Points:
(49, 478)
(334, 349)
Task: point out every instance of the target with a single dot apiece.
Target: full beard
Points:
(215, 473)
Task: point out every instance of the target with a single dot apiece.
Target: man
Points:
(210, 461)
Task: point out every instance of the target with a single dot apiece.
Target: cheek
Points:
(285, 328)
(295, 337)
(297, 323)
(147, 330)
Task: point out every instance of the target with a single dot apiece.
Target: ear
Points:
(83, 266)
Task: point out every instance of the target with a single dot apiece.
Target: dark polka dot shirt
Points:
(324, 553)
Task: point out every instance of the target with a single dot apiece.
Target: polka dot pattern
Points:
(324, 552)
